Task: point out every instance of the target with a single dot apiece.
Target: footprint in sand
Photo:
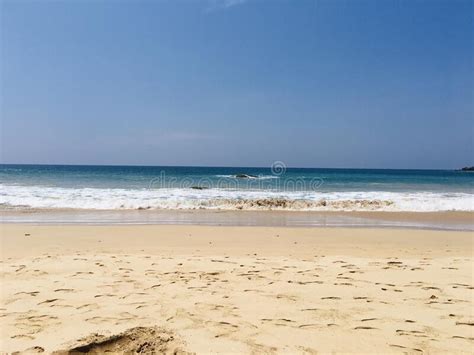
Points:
(286, 297)
(278, 322)
(457, 285)
(19, 267)
(32, 350)
(404, 347)
(104, 295)
(88, 307)
(31, 293)
(416, 333)
(67, 290)
(22, 336)
(461, 337)
(49, 301)
(82, 273)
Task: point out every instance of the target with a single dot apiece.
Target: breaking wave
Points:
(250, 177)
(39, 197)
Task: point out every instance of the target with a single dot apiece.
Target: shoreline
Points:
(210, 289)
(449, 220)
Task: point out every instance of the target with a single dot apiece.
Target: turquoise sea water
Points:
(277, 187)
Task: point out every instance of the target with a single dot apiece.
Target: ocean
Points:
(61, 187)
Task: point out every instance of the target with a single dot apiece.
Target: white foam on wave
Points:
(173, 198)
(250, 177)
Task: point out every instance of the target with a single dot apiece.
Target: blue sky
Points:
(326, 83)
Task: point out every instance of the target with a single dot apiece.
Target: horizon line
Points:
(229, 166)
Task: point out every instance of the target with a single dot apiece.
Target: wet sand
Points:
(236, 289)
(453, 220)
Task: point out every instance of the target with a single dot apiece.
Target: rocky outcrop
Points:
(246, 176)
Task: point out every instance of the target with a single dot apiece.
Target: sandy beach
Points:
(236, 177)
(202, 289)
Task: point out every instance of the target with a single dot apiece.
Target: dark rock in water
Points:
(199, 187)
(468, 168)
(246, 176)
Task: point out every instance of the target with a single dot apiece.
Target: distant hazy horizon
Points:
(229, 166)
(329, 84)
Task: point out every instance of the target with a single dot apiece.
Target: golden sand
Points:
(236, 289)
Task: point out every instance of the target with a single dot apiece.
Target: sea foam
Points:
(41, 197)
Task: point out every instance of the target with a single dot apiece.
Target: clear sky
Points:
(316, 83)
